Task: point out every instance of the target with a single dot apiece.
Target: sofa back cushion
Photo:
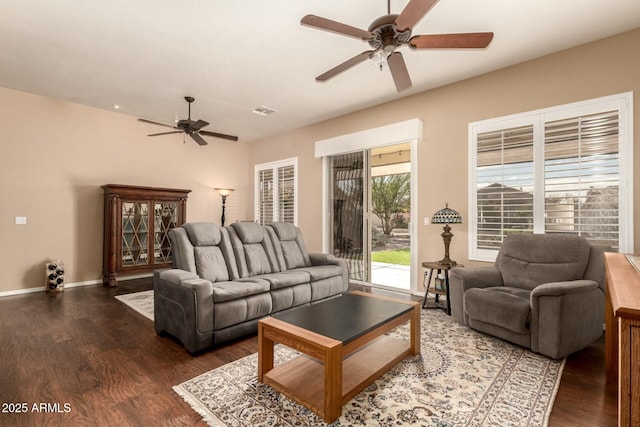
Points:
(289, 246)
(213, 257)
(529, 260)
(181, 250)
(253, 249)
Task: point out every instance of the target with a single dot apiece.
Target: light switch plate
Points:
(426, 220)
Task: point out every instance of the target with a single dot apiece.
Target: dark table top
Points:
(345, 318)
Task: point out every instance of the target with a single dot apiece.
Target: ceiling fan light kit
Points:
(193, 128)
(390, 32)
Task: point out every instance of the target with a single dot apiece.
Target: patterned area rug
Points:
(142, 302)
(461, 378)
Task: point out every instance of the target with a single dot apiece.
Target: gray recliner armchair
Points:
(545, 292)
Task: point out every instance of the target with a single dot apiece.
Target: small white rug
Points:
(461, 378)
(142, 302)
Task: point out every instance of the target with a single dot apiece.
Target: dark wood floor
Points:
(91, 360)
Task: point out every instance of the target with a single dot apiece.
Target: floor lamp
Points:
(446, 216)
(224, 192)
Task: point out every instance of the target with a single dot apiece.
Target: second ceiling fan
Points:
(193, 128)
(391, 31)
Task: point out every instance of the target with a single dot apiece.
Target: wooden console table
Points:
(622, 336)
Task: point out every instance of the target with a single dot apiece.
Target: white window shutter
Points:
(276, 197)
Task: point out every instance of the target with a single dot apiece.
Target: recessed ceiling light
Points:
(264, 111)
(116, 107)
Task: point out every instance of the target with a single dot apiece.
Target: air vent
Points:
(264, 111)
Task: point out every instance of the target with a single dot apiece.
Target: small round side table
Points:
(429, 267)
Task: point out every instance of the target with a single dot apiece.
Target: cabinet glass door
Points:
(165, 217)
(135, 234)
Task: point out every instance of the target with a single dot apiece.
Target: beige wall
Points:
(597, 69)
(54, 156)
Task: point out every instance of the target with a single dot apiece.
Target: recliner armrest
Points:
(563, 288)
(462, 279)
(476, 277)
(565, 316)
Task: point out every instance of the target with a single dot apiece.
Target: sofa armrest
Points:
(560, 324)
(328, 259)
(462, 279)
(183, 307)
(323, 259)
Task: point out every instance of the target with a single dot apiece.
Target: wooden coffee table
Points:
(344, 338)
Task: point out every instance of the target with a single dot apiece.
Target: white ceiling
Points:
(236, 55)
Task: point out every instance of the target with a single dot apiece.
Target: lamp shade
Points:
(446, 216)
(224, 191)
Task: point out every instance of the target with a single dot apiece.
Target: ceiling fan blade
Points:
(198, 125)
(336, 27)
(344, 66)
(412, 13)
(166, 133)
(399, 71)
(451, 41)
(219, 135)
(197, 138)
(156, 123)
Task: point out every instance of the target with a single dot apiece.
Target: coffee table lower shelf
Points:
(302, 379)
(329, 372)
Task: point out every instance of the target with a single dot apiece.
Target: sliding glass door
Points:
(348, 240)
(370, 197)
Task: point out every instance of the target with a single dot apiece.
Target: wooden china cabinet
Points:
(136, 225)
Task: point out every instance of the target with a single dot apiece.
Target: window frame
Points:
(623, 103)
(275, 166)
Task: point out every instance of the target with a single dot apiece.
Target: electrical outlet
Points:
(21, 220)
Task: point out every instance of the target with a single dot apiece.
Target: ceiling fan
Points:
(190, 127)
(391, 31)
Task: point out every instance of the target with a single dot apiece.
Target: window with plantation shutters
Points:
(504, 184)
(264, 195)
(276, 192)
(566, 169)
(286, 194)
(582, 177)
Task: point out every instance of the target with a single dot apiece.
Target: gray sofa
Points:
(545, 292)
(226, 278)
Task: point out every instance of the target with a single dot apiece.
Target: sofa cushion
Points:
(253, 249)
(181, 249)
(203, 233)
(286, 279)
(289, 245)
(227, 291)
(503, 306)
(257, 261)
(529, 260)
(293, 256)
(284, 230)
(249, 232)
(210, 263)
